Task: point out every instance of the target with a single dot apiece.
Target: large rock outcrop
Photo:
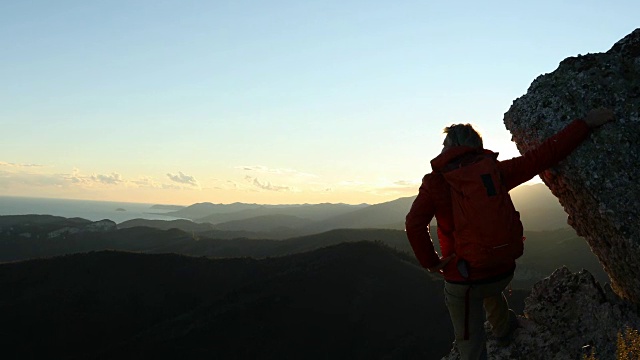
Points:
(599, 184)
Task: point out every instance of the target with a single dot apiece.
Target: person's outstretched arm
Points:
(553, 150)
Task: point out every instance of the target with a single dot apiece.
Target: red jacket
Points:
(434, 198)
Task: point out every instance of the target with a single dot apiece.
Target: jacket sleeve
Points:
(553, 150)
(417, 228)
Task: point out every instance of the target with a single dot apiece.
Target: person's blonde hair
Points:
(462, 135)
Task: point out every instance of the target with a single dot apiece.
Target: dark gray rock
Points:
(576, 310)
(599, 184)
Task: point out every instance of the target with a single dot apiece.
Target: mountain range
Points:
(539, 211)
(544, 250)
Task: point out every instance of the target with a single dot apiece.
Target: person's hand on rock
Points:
(598, 117)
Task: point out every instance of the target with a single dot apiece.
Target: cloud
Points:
(253, 168)
(149, 182)
(181, 178)
(111, 179)
(22, 178)
(8, 179)
(266, 185)
(76, 177)
(8, 164)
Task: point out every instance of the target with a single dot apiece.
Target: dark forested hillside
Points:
(346, 293)
(15, 246)
(545, 251)
(182, 224)
(264, 223)
(351, 301)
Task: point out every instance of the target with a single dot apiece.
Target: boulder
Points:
(599, 184)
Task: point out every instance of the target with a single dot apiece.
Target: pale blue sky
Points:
(267, 101)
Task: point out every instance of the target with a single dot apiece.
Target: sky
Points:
(272, 102)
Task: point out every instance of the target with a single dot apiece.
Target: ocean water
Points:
(86, 209)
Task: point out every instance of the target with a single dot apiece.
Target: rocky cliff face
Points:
(599, 184)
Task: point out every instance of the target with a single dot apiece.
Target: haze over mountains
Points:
(267, 282)
(281, 234)
(539, 211)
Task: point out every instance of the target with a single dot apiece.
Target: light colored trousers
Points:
(469, 323)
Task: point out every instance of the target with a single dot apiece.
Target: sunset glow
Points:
(266, 102)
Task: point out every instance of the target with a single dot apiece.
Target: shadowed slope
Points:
(359, 300)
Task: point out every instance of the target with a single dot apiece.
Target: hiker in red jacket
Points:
(471, 292)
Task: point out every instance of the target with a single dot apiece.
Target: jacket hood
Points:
(439, 162)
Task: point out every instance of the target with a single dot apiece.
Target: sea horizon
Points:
(94, 210)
